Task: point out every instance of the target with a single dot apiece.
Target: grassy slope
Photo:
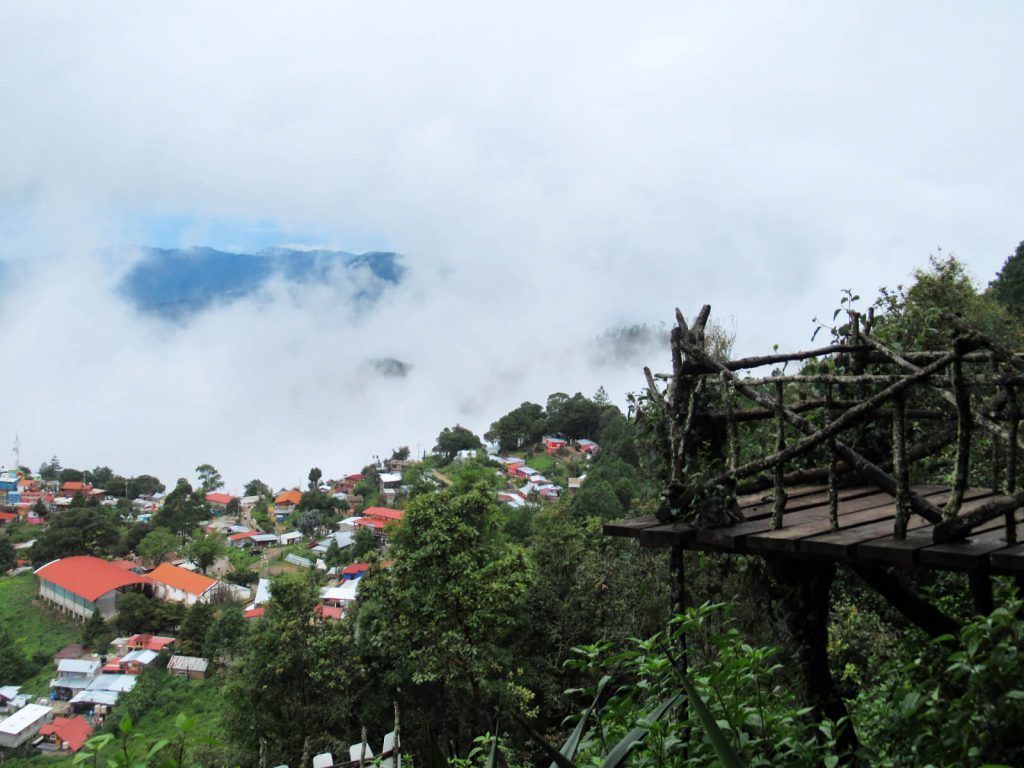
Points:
(35, 628)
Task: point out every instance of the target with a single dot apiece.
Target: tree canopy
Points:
(451, 440)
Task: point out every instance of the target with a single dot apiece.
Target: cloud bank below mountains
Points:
(279, 381)
(549, 172)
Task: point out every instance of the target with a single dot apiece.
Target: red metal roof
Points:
(242, 535)
(355, 568)
(7, 516)
(71, 730)
(254, 613)
(384, 513)
(88, 577)
(219, 498)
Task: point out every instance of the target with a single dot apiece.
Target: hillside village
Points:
(182, 566)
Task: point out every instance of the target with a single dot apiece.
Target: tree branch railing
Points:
(824, 410)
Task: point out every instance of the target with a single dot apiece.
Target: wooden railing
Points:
(967, 391)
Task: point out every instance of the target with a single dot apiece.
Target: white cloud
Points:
(550, 170)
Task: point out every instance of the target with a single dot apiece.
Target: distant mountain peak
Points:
(179, 282)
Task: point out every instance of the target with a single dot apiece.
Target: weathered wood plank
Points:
(969, 555)
(904, 552)
(841, 545)
(629, 528)
(734, 536)
(667, 534)
(851, 516)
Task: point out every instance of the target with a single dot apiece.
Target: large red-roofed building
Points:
(82, 585)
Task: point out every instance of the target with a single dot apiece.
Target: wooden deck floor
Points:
(865, 534)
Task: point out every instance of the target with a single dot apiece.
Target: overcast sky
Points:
(549, 171)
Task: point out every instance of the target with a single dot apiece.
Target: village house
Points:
(285, 503)
(82, 585)
(513, 498)
(191, 667)
(390, 484)
(552, 443)
(65, 734)
(378, 519)
(587, 446)
(11, 699)
(241, 539)
(291, 537)
(102, 693)
(73, 675)
(219, 501)
(341, 595)
(136, 661)
(23, 725)
(178, 585)
(148, 642)
(510, 463)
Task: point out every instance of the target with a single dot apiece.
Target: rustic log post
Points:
(677, 567)
(397, 749)
(780, 445)
(997, 482)
(833, 461)
(804, 599)
(981, 591)
(899, 466)
(1011, 461)
(730, 424)
(963, 435)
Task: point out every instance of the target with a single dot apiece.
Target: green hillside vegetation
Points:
(37, 632)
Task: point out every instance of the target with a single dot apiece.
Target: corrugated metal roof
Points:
(88, 577)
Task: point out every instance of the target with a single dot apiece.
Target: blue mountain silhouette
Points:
(176, 283)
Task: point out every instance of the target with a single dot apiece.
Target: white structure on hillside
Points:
(24, 725)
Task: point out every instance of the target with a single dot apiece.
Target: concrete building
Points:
(82, 585)
(178, 585)
(24, 725)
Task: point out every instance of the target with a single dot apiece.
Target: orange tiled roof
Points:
(289, 497)
(187, 581)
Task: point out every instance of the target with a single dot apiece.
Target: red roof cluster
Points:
(88, 577)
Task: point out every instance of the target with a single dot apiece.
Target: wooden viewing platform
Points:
(812, 469)
(865, 534)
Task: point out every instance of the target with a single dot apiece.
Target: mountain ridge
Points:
(177, 282)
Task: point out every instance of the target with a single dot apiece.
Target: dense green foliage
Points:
(78, 530)
(1008, 286)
